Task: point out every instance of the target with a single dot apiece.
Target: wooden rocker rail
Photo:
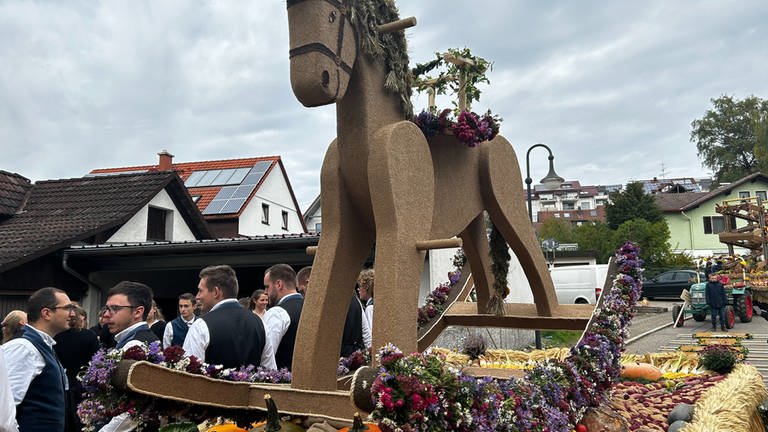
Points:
(158, 381)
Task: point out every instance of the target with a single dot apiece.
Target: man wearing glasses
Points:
(35, 376)
(126, 311)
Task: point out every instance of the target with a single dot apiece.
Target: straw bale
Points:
(731, 405)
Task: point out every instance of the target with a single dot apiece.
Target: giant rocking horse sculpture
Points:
(384, 184)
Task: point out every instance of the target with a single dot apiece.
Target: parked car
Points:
(671, 283)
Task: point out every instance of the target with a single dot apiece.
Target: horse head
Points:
(323, 49)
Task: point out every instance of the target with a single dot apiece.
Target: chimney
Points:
(166, 160)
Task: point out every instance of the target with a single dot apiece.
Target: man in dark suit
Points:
(75, 347)
(226, 334)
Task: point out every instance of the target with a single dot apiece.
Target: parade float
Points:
(390, 185)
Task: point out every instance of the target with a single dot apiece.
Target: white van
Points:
(579, 283)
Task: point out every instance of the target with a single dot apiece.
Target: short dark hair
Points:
(137, 293)
(302, 277)
(222, 276)
(188, 296)
(282, 272)
(39, 300)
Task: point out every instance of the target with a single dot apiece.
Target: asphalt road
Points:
(648, 321)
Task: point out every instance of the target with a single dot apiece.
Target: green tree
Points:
(597, 237)
(760, 127)
(652, 237)
(557, 229)
(726, 137)
(632, 203)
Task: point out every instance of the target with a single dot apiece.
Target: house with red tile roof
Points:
(38, 221)
(237, 197)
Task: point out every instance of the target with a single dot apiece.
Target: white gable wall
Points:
(135, 230)
(275, 193)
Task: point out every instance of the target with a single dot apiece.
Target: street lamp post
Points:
(550, 181)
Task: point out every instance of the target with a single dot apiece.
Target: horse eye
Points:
(326, 78)
(332, 17)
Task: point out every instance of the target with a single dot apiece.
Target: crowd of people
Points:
(47, 345)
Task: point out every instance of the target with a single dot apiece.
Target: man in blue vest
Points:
(128, 305)
(282, 320)
(227, 333)
(35, 376)
(176, 331)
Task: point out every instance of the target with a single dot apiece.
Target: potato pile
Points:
(646, 407)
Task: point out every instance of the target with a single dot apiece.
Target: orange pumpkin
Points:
(273, 422)
(226, 427)
(359, 426)
(640, 370)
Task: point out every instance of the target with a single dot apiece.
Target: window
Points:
(743, 194)
(569, 206)
(265, 214)
(714, 224)
(318, 227)
(285, 220)
(586, 205)
(157, 224)
(762, 195)
(195, 198)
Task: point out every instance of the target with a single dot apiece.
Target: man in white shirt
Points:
(176, 331)
(227, 333)
(35, 377)
(282, 320)
(128, 305)
(7, 405)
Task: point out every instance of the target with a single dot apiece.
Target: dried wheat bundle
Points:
(732, 404)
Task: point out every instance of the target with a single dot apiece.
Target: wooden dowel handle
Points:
(439, 243)
(397, 25)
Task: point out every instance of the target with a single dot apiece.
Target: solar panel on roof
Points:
(194, 178)
(226, 192)
(230, 199)
(243, 191)
(214, 207)
(238, 175)
(257, 172)
(208, 178)
(223, 177)
(232, 206)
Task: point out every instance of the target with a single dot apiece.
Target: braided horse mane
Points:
(387, 48)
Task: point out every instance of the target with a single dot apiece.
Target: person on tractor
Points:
(716, 299)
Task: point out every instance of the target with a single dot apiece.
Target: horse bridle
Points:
(334, 55)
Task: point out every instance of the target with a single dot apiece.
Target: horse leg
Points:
(475, 245)
(503, 197)
(344, 245)
(401, 180)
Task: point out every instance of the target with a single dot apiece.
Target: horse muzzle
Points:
(317, 79)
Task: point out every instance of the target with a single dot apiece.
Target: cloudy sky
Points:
(611, 87)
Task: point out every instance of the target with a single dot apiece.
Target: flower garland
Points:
(435, 301)
(419, 393)
(103, 401)
(462, 76)
(469, 128)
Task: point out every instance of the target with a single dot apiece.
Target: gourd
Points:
(640, 370)
(359, 426)
(273, 422)
(226, 427)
